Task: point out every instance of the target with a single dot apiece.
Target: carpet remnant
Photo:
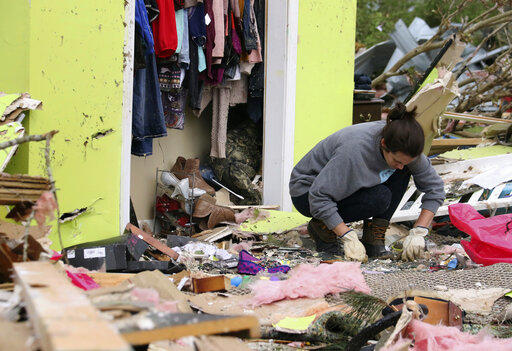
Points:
(311, 281)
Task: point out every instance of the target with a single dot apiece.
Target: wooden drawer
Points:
(367, 111)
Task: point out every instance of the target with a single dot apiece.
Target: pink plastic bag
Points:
(491, 238)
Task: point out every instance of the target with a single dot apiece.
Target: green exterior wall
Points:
(325, 71)
(14, 46)
(75, 66)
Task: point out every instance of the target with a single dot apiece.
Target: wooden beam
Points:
(174, 326)
(63, 317)
(475, 118)
(152, 241)
(458, 142)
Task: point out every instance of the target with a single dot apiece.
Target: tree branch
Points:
(480, 16)
(489, 22)
(473, 54)
(27, 138)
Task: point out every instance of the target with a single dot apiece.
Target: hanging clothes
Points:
(174, 108)
(218, 18)
(257, 77)
(250, 28)
(152, 9)
(222, 97)
(210, 36)
(256, 55)
(191, 3)
(179, 4)
(147, 116)
(192, 81)
(183, 57)
(197, 25)
(180, 26)
(164, 29)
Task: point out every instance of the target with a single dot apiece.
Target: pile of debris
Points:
(263, 284)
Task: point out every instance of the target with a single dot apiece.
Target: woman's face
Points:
(395, 160)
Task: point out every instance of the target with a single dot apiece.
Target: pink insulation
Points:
(311, 281)
(243, 245)
(429, 337)
(252, 214)
(45, 207)
(146, 295)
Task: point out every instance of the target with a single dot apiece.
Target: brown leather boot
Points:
(374, 234)
(190, 168)
(205, 206)
(325, 239)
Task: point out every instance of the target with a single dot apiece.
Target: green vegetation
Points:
(383, 14)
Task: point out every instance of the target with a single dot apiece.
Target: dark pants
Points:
(380, 201)
(148, 119)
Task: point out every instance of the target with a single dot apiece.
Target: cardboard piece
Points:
(163, 285)
(208, 284)
(108, 257)
(136, 246)
(430, 102)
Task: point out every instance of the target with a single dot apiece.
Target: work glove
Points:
(354, 249)
(414, 244)
(186, 259)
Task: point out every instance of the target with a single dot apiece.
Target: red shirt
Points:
(165, 34)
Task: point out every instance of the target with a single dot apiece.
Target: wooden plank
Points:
(174, 326)
(24, 185)
(23, 177)
(475, 118)
(152, 241)
(476, 195)
(109, 279)
(16, 231)
(63, 317)
(13, 199)
(21, 192)
(216, 283)
(458, 142)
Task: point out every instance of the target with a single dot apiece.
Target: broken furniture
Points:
(216, 283)
(453, 175)
(367, 111)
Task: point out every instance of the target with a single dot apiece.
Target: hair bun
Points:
(399, 112)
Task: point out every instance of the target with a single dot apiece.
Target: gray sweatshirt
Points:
(349, 160)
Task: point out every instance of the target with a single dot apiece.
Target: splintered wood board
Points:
(63, 317)
(109, 279)
(177, 325)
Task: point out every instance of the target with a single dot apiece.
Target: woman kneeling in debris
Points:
(362, 172)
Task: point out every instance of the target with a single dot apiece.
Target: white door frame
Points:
(126, 123)
(279, 108)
